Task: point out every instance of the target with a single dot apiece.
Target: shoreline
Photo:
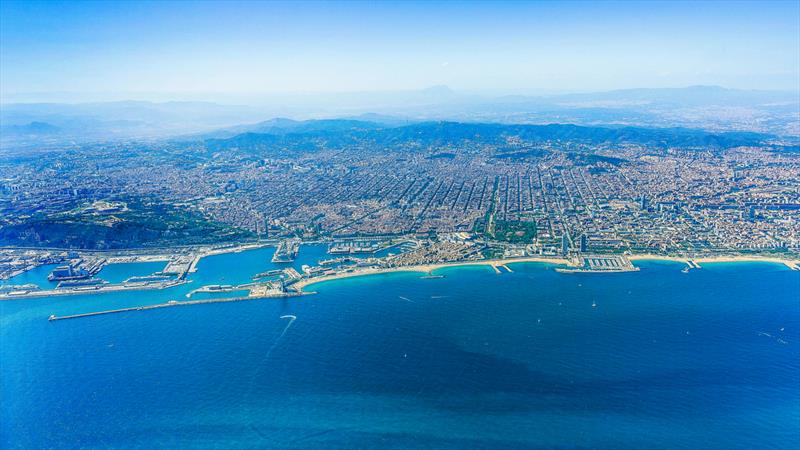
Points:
(426, 268)
(790, 263)
(429, 268)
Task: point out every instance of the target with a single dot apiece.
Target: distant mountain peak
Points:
(33, 128)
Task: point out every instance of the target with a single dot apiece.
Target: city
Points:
(335, 224)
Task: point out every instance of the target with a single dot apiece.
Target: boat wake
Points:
(253, 426)
(291, 318)
(777, 339)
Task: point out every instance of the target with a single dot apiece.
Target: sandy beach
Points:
(651, 257)
(426, 268)
(429, 268)
(790, 263)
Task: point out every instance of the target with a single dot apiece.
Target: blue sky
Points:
(132, 49)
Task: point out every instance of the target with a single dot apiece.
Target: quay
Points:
(108, 287)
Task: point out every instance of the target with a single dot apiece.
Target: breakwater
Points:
(172, 303)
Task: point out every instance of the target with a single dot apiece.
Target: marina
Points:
(286, 251)
(600, 263)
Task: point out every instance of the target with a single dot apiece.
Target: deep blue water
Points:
(708, 359)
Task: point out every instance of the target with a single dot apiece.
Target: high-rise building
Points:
(564, 244)
(584, 243)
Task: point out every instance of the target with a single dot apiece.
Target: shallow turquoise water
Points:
(708, 359)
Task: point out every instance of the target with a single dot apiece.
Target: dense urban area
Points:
(705, 194)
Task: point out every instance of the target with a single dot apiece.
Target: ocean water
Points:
(707, 359)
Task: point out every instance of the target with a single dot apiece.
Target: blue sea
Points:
(664, 359)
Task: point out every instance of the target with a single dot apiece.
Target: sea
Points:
(532, 358)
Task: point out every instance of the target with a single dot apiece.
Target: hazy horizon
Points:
(229, 52)
(256, 99)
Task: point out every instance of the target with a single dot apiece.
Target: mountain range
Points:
(710, 108)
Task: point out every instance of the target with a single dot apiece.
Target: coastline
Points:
(790, 263)
(429, 268)
(496, 264)
(425, 268)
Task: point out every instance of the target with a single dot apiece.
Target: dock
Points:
(108, 287)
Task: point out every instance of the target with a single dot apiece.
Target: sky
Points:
(207, 50)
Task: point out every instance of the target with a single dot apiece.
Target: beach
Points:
(788, 262)
(427, 268)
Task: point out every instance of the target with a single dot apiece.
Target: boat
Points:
(594, 304)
